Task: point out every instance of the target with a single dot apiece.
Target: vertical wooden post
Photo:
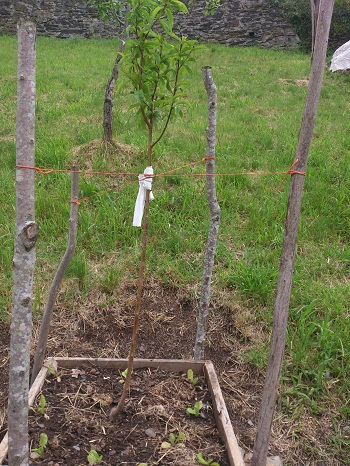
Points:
(108, 102)
(214, 214)
(24, 253)
(56, 283)
(315, 7)
(285, 278)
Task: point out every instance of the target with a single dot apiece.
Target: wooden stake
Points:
(108, 102)
(284, 284)
(56, 283)
(24, 254)
(214, 208)
(315, 8)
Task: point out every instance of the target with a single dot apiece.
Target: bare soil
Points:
(76, 419)
(100, 325)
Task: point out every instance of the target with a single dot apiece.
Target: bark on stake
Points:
(56, 283)
(284, 284)
(315, 7)
(214, 215)
(24, 250)
(108, 103)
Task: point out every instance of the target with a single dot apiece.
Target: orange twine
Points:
(46, 171)
(291, 172)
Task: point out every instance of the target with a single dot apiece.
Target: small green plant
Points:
(42, 405)
(196, 409)
(53, 369)
(37, 452)
(123, 374)
(191, 378)
(94, 458)
(208, 462)
(174, 440)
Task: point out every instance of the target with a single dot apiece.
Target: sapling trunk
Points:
(214, 215)
(284, 284)
(116, 410)
(24, 249)
(56, 283)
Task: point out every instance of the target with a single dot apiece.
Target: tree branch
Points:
(56, 283)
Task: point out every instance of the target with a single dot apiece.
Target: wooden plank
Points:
(222, 417)
(33, 392)
(4, 445)
(174, 365)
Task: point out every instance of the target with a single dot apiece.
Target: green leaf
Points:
(188, 104)
(53, 367)
(165, 25)
(43, 440)
(179, 6)
(205, 462)
(155, 12)
(42, 404)
(140, 97)
(170, 18)
(94, 458)
(196, 409)
(201, 460)
(166, 445)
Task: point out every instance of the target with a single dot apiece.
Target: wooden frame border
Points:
(206, 368)
(34, 390)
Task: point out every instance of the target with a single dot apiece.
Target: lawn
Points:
(261, 94)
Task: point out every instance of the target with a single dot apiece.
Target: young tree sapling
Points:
(153, 63)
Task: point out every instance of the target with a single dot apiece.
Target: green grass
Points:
(261, 98)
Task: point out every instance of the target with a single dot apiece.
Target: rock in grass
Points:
(274, 461)
(270, 461)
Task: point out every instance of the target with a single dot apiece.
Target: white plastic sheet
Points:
(145, 184)
(341, 58)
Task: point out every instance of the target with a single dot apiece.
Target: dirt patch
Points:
(76, 419)
(299, 82)
(100, 324)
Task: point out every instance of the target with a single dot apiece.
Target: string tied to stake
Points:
(145, 184)
(291, 171)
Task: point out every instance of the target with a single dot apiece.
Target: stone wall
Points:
(243, 22)
(236, 22)
(56, 18)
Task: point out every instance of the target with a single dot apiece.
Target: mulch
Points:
(100, 324)
(76, 419)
